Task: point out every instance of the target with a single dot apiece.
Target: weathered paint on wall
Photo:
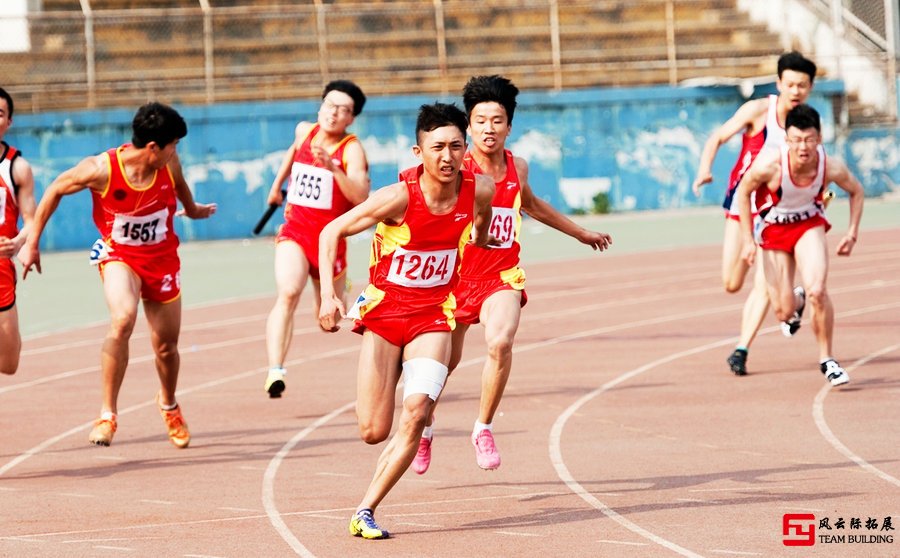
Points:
(640, 145)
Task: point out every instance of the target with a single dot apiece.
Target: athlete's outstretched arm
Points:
(837, 171)
(24, 179)
(739, 122)
(90, 173)
(548, 215)
(275, 195)
(387, 204)
(191, 208)
(483, 213)
(764, 169)
(354, 184)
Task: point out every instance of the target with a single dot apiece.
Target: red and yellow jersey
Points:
(506, 224)
(314, 198)
(135, 220)
(9, 202)
(415, 263)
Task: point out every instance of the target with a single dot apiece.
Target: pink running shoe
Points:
(486, 453)
(423, 456)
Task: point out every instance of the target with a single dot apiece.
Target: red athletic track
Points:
(622, 432)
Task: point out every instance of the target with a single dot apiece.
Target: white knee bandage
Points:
(423, 375)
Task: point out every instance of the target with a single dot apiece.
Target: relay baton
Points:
(267, 215)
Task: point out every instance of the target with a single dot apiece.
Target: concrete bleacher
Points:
(270, 49)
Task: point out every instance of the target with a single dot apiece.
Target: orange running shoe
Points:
(102, 433)
(178, 429)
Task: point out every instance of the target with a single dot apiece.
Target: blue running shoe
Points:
(362, 524)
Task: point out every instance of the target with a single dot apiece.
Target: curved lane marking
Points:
(818, 412)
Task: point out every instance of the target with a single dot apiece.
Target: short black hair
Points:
(9, 101)
(350, 88)
(438, 115)
(797, 62)
(486, 89)
(803, 117)
(158, 123)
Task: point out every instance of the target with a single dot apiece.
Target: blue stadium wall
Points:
(641, 146)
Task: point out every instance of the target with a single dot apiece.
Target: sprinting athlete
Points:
(135, 189)
(762, 123)
(328, 175)
(405, 314)
(491, 289)
(791, 234)
(16, 200)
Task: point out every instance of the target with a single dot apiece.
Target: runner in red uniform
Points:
(791, 235)
(405, 314)
(328, 175)
(16, 200)
(134, 189)
(491, 289)
(761, 120)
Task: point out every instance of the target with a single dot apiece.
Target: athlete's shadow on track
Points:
(557, 515)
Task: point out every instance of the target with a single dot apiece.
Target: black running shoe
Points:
(738, 362)
(834, 373)
(790, 327)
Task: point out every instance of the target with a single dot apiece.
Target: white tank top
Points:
(775, 134)
(797, 203)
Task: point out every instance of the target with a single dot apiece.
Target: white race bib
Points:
(2, 203)
(503, 226)
(413, 268)
(310, 186)
(141, 230)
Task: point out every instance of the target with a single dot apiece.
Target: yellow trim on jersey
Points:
(125, 174)
(517, 206)
(391, 238)
(464, 239)
(374, 296)
(514, 277)
(448, 308)
(108, 174)
(346, 141)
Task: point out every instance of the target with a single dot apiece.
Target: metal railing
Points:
(196, 52)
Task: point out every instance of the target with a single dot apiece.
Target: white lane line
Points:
(76, 495)
(141, 335)
(624, 543)
(308, 513)
(200, 556)
(117, 539)
(272, 470)
(735, 552)
(818, 412)
(745, 489)
(160, 502)
(431, 513)
(535, 317)
(268, 485)
(556, 432)
(213, 383)
(147, 358)
(513, 534)
(119, 548)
